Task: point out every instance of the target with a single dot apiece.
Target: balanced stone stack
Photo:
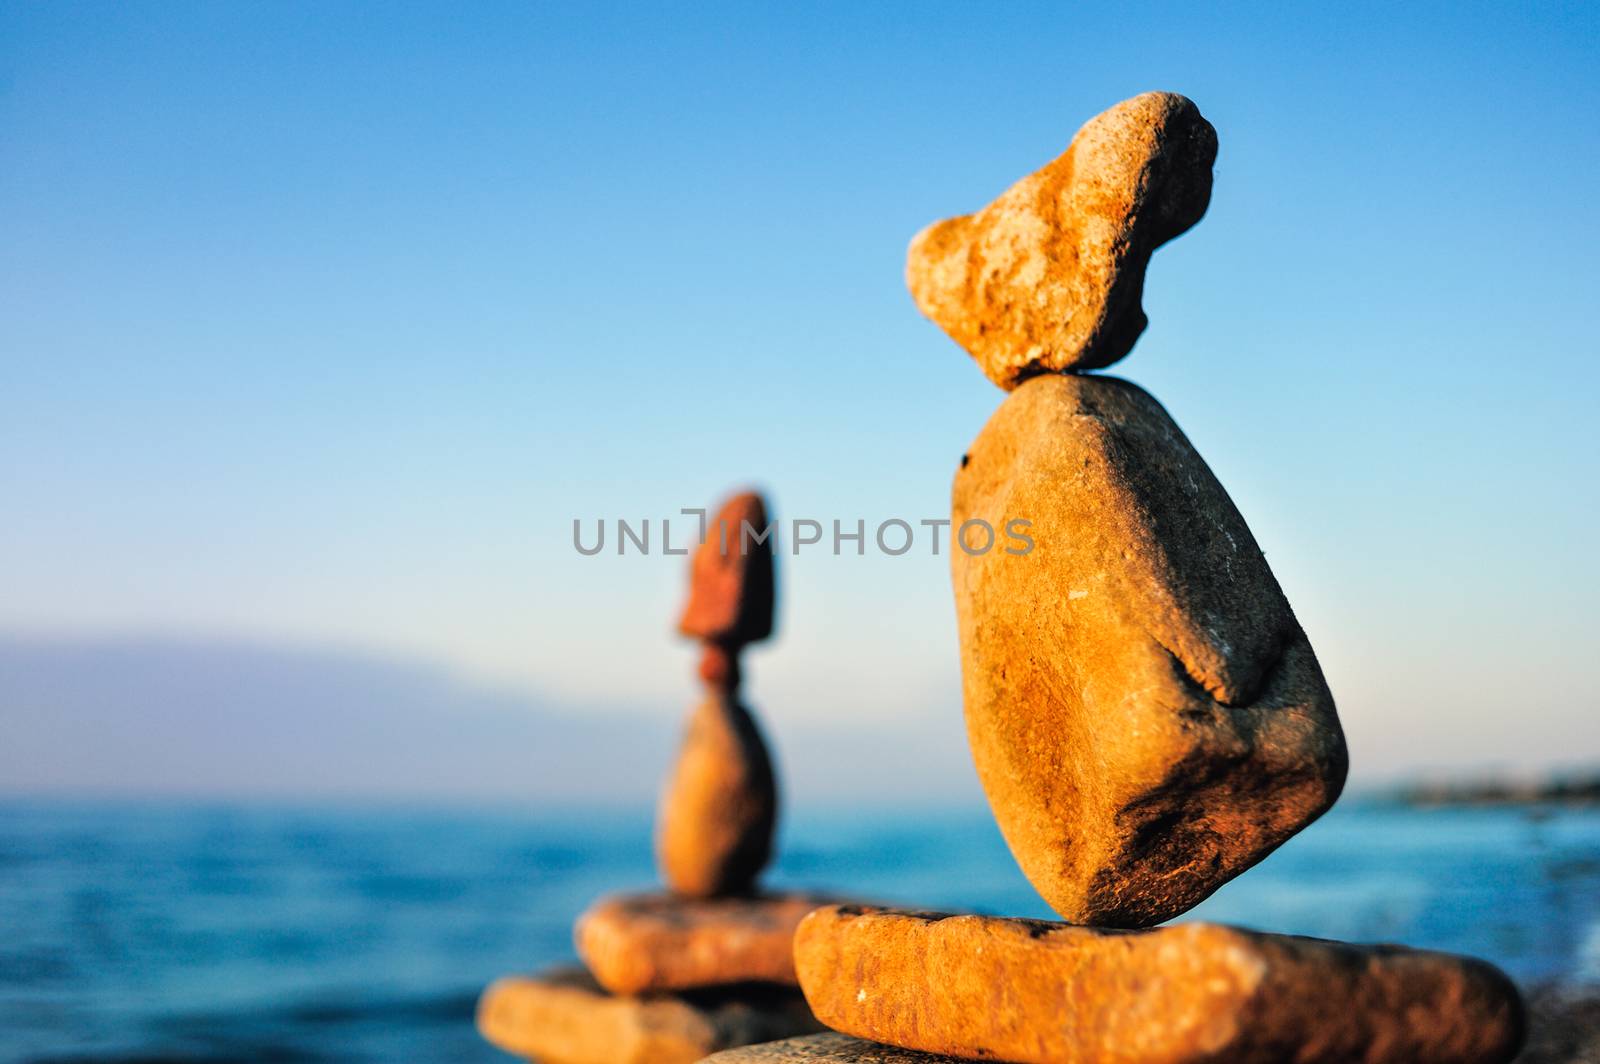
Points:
(671, 977)
(1147, 717)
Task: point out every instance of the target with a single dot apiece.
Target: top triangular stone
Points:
(1048, 277)
(731, 583)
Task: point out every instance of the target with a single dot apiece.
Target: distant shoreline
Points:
(1581, 790)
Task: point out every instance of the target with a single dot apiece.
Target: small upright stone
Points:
(1145, 713)
(731, 583)
(715, 831)
(1048, 277)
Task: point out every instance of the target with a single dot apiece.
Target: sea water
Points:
(138, 932)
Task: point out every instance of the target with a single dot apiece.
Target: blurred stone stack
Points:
(1145, 712)
(672, 977)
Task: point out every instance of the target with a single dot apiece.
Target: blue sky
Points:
(320, 323)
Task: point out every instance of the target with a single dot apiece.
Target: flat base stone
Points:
(638, 942)
(563, 1016)
(1034, 992)
(830, 1046)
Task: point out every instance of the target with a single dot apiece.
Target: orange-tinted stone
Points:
(719, 667)
(1042, 993)
(1049, 276)
(1146, 714)
(731, 583)
(637, 942)
(716, 817)
(564, 1017)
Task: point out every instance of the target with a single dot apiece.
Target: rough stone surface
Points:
(563, 1017)
(1145, 713)
(716, 816)
(731, 582)
(1049, 276)
(637, 942)
(1043, 993)
(826, 1047)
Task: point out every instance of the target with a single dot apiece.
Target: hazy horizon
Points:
(165, 718)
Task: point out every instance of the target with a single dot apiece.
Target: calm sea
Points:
(155, 933)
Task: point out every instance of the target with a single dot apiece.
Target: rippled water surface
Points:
(195, 933)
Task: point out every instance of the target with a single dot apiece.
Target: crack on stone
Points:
(1216, 690)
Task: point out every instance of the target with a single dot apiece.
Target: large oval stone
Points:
(1146, 715)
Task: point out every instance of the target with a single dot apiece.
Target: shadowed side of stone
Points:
(839, 1048)
(1049, 276)
(639, 942)
(1041, 993)
(564, 1017)
(1145, 713)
